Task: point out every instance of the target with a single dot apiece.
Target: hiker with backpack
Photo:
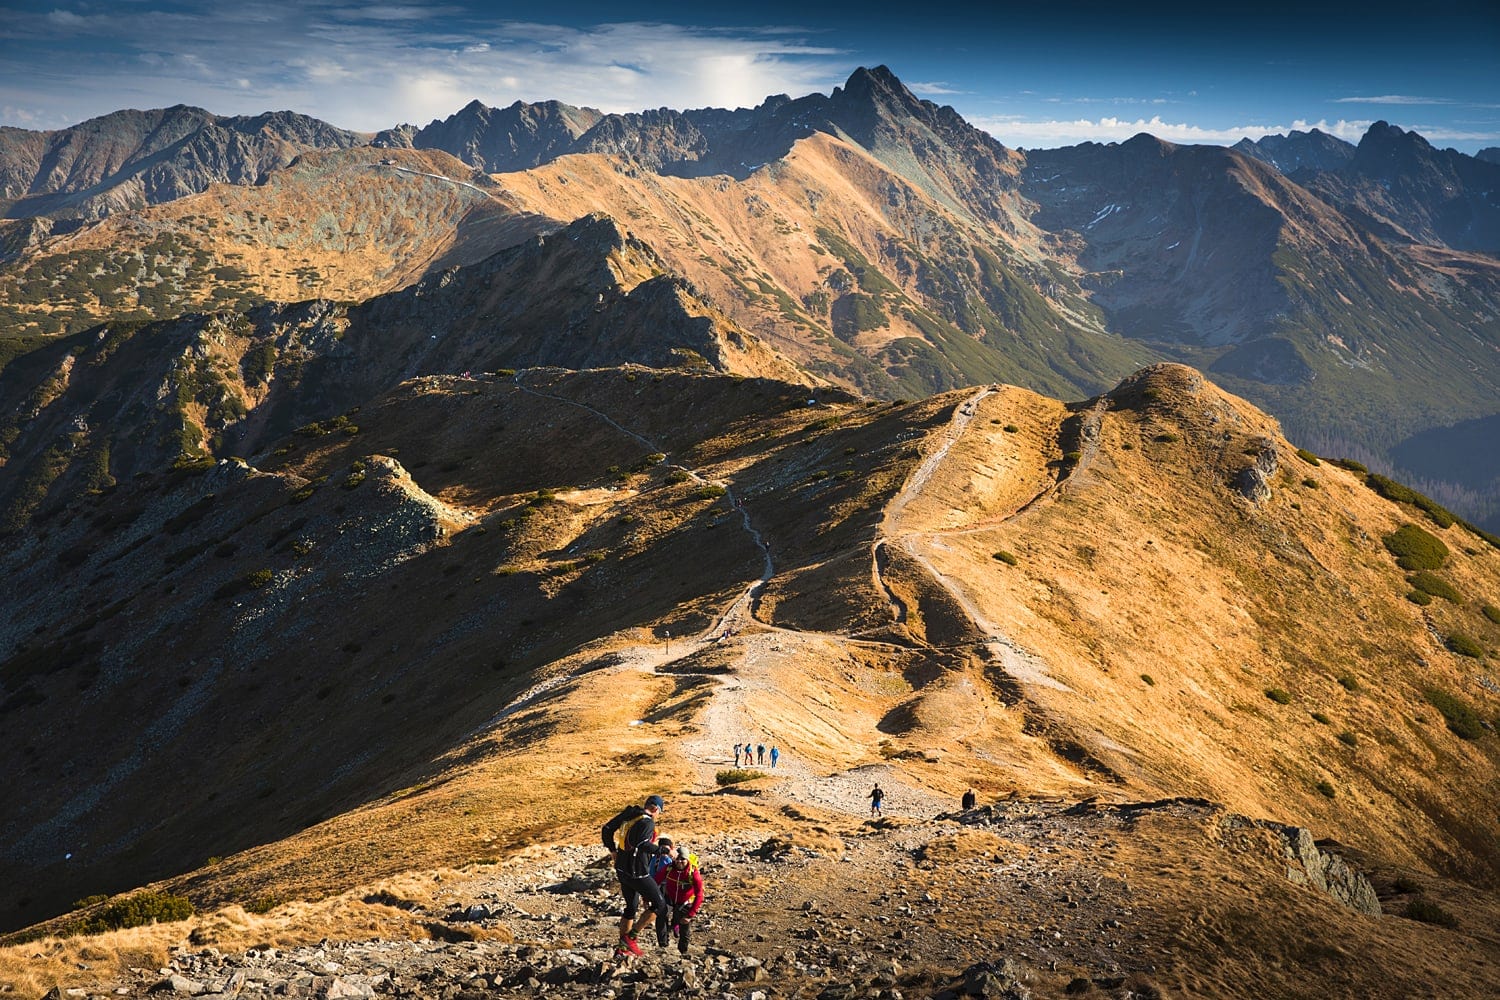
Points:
(877, 797)
(682, 884)
(631, 837)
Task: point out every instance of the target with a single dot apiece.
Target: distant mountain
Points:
(499, 140)
(129, 159)
(1311, 150)
(1396, 182)
(1490, 154)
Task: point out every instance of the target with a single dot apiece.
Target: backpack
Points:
(623, 823)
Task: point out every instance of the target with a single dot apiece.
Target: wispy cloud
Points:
(933, 89)
(1117, 101)
(1398, 99)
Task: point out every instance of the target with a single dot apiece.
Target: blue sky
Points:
(1074, 72)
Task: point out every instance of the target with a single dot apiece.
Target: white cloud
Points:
(1049, 134)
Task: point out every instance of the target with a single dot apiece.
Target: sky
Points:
(1032, 77)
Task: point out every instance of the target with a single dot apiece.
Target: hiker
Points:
(660, 861)
(876, 798)
(760, 753)
(969, 799)
(682, 884)
(736, 755)
(631, 837)
(774, 754)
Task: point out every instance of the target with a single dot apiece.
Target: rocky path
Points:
(1016, 899)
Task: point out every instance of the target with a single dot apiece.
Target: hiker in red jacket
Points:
(682, 885)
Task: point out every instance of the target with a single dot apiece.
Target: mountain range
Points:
(378, 503)
(873, 238)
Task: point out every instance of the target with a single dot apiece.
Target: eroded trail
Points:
(750, 706)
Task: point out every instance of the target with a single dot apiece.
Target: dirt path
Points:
(742, 705)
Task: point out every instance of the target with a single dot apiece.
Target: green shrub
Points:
(1321, 718)
(1348, 682)
(1073, 457)
(1461, 719)
(1011, 429)
(677, 476)
(90, 900)
(264, 903)
(1166, 437)
(1279, 696)
(1149, 679)
(1006, 557)
(1405, 885)
(1351, 465)
(137, 911)
(709, 491)
(1310, 483)
(1326, 788)
(1429, 913)
(734, 776)
(253, 580)
(1431, 583)
(1348, 739)
(1464, 646)
(1419, 597)
(1415, 548)
(1491, 612)
(1308, 457)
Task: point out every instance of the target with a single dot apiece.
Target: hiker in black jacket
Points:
(631, 835)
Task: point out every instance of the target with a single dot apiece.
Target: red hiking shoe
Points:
(629, 944)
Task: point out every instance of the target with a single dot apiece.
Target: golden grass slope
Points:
(1127, 652)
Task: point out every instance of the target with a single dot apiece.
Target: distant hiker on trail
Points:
(682, 885)
(631, 836)
(876, 798)
(760, 753)
(661, 861)
(736, 755)
(774, 755)
(969, 799)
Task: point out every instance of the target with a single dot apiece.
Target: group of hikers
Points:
(755, 754)
(666, 875)
(652, 868)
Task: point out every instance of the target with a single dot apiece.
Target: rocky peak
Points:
(1313, 150)
(1386, 150)
(875, 92)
